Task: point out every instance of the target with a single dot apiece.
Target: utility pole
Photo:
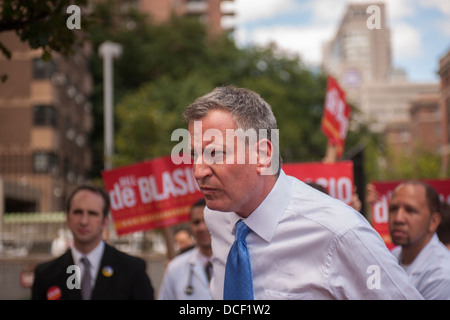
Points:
(108, 50)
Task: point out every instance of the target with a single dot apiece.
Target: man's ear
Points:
(265, 154)
(105, 221)
(434, 221)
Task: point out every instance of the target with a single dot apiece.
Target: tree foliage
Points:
(418, 163)
(164, 67)
(41, 24)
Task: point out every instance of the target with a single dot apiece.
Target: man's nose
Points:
(201, 168)
(84, 217)
(400, 215)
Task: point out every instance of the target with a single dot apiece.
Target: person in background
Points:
(183, 241)
(273, 236)
(414, 216)
(105, 273)
(188, 275)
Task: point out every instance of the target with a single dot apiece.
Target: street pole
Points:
(108, 50)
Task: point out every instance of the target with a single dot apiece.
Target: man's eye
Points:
(393, 209)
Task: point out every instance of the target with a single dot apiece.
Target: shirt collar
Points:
(264, 220)
(94, 256)
(202, 258)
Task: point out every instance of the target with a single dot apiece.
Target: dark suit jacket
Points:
(120, 277)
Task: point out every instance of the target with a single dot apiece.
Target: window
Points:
(42, 69)
(44, 162)
(44, 115)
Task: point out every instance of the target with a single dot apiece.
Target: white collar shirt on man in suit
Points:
(94, 257)
(308, 245)
(430, 270)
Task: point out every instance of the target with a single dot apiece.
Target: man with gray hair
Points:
(273, 236)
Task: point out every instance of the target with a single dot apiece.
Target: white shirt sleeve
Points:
(361, 267)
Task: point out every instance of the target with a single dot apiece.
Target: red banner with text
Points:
(150, 194)
(336, 116)
(157, 193)
(336, 177)
(380, 209)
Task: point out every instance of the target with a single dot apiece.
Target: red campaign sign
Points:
(151, 194)
(336, 177)
(336, 115)
(380, 209)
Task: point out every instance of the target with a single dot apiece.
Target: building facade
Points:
(208, 11)
(359, 57)
(45, 122)
(444, 103)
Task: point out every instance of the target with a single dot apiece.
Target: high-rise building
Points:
(208, 11)
(444, 101)
(425, 125)
(359, 57)
(45, 120)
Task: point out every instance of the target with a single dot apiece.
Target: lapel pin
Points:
(54, 293)
(107, 271)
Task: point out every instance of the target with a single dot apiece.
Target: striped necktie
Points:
(86, 280)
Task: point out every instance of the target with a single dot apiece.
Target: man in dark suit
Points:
(91, 269)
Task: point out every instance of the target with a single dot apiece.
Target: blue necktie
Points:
(238, 271)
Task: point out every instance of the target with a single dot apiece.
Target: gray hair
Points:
(248, 109)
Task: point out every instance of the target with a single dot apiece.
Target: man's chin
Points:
(216, 205)
(400, 241)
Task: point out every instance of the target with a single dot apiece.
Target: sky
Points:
(420, 29)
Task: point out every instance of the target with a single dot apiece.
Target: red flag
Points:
(336, 116)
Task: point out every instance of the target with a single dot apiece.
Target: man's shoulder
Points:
(322, 209)
(437, 257)
(181, 260)
(50, 265)
(122, 257)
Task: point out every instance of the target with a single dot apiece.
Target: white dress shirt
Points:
(308, 245)
(94, 257)
(187, 269)
(430, 270)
